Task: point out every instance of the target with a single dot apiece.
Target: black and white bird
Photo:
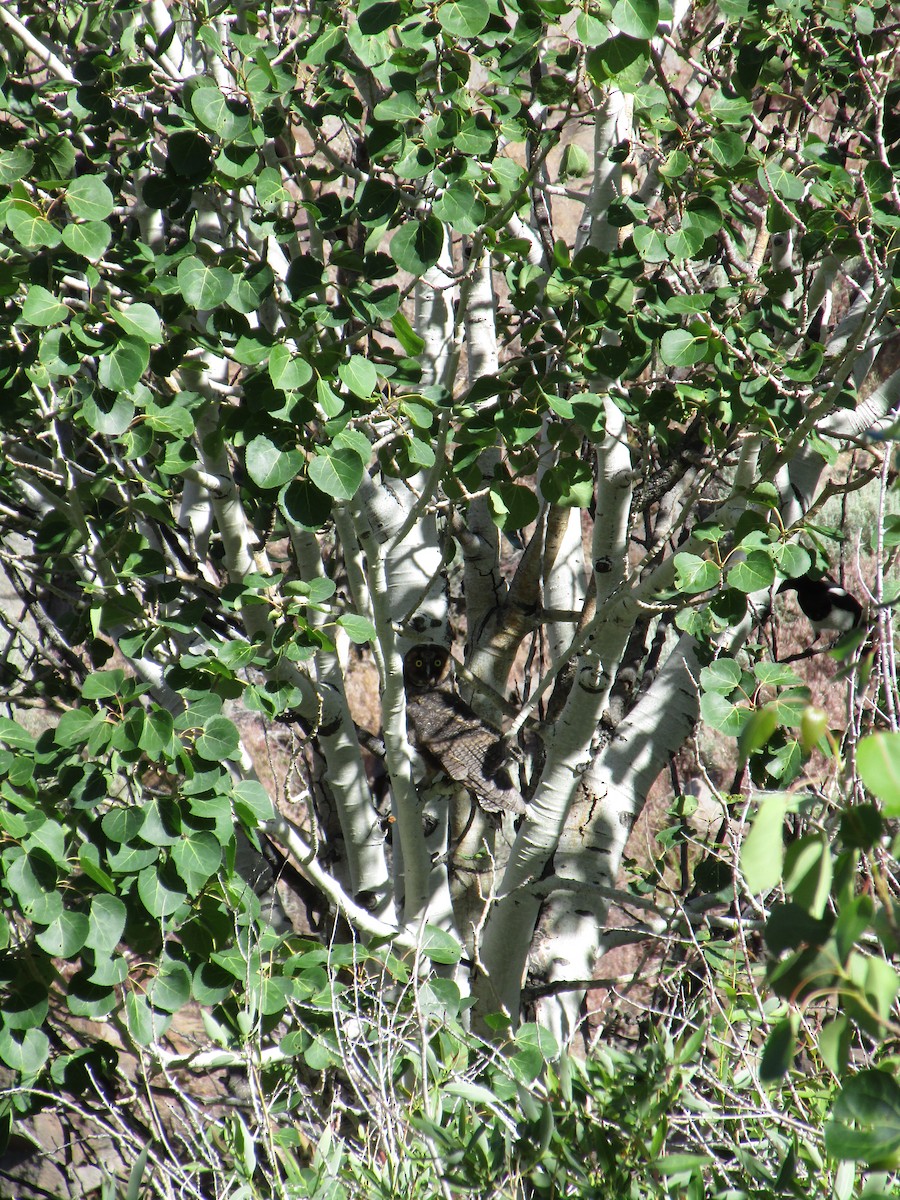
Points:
(824, 603)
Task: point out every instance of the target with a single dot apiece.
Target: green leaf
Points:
(574, 163)
(755, 573)
(270, 191)
(793, 561)
(74, 727)
(684, 243)
(275, 994)
(161, 891)
(304, 504)
(103, 684)
(237, 162)
(722, 714)
(209, 36)
(774, 177)
(513, 505)
(123, 823)
(460, 208)
(122, 367)
(420, 415)
(211, 984)
(463, 18)
(682, 1164)
(32, 880)
(878, 763)
(420, 453)
(90, 239)
(621, 58)
(203, 287)
(651, 244)
(173, 420)
(156, 739)
(251, 288)
(762, 853)
(359, 629)
(171, 989)
(110, 417)
(12, 734)
(30, 227)
(569, 484)
(439, 947)
(865, 1125)
(288, 371)
(703, 214)
(42, 308)
(527, 1064)
(778, 1052)
(807, 873)
(26, 1054)
(534, 1036)
(330, 403)
(478, 137)
(636, 18)
(727, 148)
(219, 114)
(15, 164)
(757, 730)
(406, 335)
(773, 674)
(694, 575)
(26, 1002)
(359, 376)
(88, 197)
(680, 348)
(140, 321)
(375, 16)
(881, 985)
(861, 826)
(143, 1024)
(474, 1093)
(106, 923)
(219, 740)
(65, 936)
(50, 837)
(58, 354)
(399, 106)
(160, 826)
(723, 675)
(417, 245)
(337, 472)
(197, 858)
(835, 1040)
(254, 797)
(268, 466)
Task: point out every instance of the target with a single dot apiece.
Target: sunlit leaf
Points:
(762, 851)
(878, 763)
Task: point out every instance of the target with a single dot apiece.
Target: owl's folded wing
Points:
(446, 731)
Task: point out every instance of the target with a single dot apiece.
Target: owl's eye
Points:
(419, 662)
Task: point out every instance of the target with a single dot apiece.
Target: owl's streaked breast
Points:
(450, 735)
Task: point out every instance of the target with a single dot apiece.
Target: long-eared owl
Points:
(448, 734)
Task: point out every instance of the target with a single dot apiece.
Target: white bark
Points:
(589, 855)
(873, 416)
(484, 586)
(435, 321)
(511, 924)
(612, 125)
(346, 775)
(398, 754)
